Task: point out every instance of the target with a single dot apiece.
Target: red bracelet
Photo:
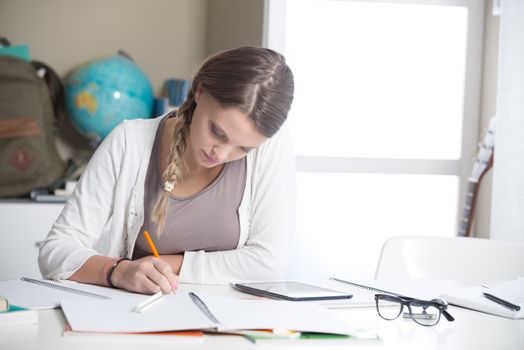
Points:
(111, 270)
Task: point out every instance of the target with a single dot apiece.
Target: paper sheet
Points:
(172, 312)
(472, 298)
(179, 312)
(235, 314)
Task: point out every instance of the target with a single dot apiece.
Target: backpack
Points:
(31, 103)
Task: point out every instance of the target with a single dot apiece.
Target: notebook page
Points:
(237, 314)
(512, 291)
(473, 298)
(172, 312)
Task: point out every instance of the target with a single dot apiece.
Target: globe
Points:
(105, 91)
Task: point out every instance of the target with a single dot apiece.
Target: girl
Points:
(213, 181)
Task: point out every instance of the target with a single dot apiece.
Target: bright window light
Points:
(345, 218)
(379, 121)
(383, 80)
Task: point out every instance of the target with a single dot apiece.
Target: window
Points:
(384, 122)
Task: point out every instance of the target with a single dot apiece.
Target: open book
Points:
(200, 311)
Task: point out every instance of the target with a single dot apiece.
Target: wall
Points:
(166, 38)
(233, 23)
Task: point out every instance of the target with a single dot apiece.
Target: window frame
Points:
(273, 37)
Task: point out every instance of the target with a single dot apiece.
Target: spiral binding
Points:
(372, 289)
(65, 289)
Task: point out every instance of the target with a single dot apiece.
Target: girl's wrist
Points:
(105, 269)
(111, 275)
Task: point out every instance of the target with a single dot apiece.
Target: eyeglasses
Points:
(425, 313)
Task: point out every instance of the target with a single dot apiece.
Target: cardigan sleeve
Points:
(72, 237)
(271, 223)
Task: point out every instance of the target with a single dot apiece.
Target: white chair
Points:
(464, 259)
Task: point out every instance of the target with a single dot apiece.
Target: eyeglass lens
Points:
(424, 314)
(389, 309)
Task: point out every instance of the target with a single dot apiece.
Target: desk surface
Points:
(471, 330)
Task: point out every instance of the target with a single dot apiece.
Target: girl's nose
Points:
(220, 152)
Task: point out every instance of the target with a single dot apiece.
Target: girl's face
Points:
(219, 135)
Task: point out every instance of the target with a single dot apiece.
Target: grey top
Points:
(207, 220)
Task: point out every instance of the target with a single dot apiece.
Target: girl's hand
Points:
(147, 275)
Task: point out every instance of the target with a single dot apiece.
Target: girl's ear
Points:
(198, 93)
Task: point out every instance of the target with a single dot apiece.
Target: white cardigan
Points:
(110, 197)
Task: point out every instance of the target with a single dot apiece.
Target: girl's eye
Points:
(215, 131)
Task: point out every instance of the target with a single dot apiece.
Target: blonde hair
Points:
(256, 80)
(173, 172)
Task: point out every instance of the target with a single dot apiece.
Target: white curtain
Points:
(507, 221)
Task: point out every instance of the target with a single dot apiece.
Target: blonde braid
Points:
(173, 172)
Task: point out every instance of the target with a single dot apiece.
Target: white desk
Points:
(471, 330)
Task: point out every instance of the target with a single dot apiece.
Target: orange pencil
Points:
(150, 241)
(159, 294)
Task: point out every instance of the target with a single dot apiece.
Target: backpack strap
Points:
(56, 90)
(4, 42)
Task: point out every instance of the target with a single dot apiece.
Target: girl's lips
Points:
(209, 159)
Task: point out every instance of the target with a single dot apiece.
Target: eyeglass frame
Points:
(440, 304)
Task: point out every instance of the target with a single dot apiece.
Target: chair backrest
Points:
(465, 259)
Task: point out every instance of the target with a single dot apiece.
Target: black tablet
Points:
(290, 290)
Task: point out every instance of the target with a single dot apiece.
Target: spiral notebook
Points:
(368, 288)
(456, 293)
(364, 291)
(474, 297)
(46, 294)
